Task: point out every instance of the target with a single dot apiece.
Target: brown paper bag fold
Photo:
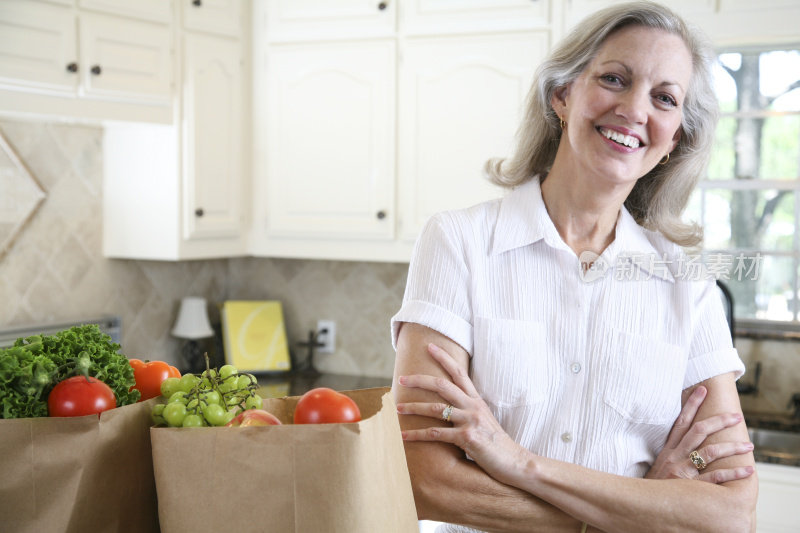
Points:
(346, 478)
(81, 474)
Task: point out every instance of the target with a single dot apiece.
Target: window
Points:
(748, 203)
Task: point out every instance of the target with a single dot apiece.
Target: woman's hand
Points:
(687, 435)
(475, 430)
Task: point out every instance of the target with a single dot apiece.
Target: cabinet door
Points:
(38, 44)
(461, 100)
(330, 140)
(577, 10)
(742, 23)
(213, 16)
(156, 10)
(122, 58)
(212, 137)
(451, 16)
(290, 20)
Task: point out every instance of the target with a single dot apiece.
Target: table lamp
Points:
(192, 324)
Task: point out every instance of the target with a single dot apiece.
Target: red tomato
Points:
(79, 396)
(150, 375)
(325, 406)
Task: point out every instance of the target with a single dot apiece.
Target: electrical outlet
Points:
(328, 337)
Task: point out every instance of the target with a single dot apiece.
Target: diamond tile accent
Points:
(20, 195)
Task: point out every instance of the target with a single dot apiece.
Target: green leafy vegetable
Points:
(34, 365)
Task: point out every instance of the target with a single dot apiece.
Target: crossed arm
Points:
(507, 488)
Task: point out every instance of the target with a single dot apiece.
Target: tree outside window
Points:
(748, 203)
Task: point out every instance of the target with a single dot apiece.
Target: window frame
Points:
(752, 327)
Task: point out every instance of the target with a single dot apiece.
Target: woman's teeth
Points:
(619, 138)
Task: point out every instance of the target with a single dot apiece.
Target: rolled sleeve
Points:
(712, 364)
(437, 291)
(712, 352)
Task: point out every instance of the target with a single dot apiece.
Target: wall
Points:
(55, 269)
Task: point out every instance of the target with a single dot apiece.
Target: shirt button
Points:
(575, 367)
(566, 436)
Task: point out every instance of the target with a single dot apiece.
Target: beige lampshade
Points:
(192, 322)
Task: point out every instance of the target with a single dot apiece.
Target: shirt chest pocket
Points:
(509, 363)
(645, 377)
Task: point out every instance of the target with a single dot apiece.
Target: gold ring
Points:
(698, 462)
(446, 412)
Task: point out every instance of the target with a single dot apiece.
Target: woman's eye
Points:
(667, 100)
(611, 78)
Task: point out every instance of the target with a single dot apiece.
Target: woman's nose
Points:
(633, 106)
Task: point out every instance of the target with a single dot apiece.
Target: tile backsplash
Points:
(55, 271)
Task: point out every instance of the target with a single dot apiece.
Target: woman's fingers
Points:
(431, 410)
(449, 391)
(727, 474)
(713, 452)
(686, 417)
(699, 431)
(434, 433)
(459, 374)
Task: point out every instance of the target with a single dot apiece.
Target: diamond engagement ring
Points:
(446, 412)
(698, 462)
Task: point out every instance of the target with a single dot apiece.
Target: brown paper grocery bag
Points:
(82, 474)
(346, 478)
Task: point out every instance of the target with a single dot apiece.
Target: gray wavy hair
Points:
(659, 198)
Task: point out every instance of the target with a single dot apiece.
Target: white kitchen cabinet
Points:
(345, 168)
(726, 22)
(329, 148)
(213, 16)
(461, 100)
(155, 10)
(742, 23)
(316, 20)
(124, 59)
(434, 17)
(212, 137)
(175, 191)
(38, 45)
(577, 10)
(61, 60)
(778, 494)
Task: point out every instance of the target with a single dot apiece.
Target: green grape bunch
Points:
(211, 398)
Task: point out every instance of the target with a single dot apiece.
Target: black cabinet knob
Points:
(199, 212)
(96, 70)
(197, 3)
(72, 67)
(383, 5)
(381, 215)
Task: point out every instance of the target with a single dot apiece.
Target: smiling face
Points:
(623, 112)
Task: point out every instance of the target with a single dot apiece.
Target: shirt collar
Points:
(633, 247)
(523, 220)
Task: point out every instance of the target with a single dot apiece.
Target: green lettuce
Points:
(34, 365)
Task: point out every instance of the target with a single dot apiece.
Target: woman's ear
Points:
(559, 100)
(675, 139)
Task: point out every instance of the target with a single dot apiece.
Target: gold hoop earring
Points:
(562, 123)
(665, 160)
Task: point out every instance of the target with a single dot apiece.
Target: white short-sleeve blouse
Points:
(580, 366)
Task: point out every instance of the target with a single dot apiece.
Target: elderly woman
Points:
(540, 389)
